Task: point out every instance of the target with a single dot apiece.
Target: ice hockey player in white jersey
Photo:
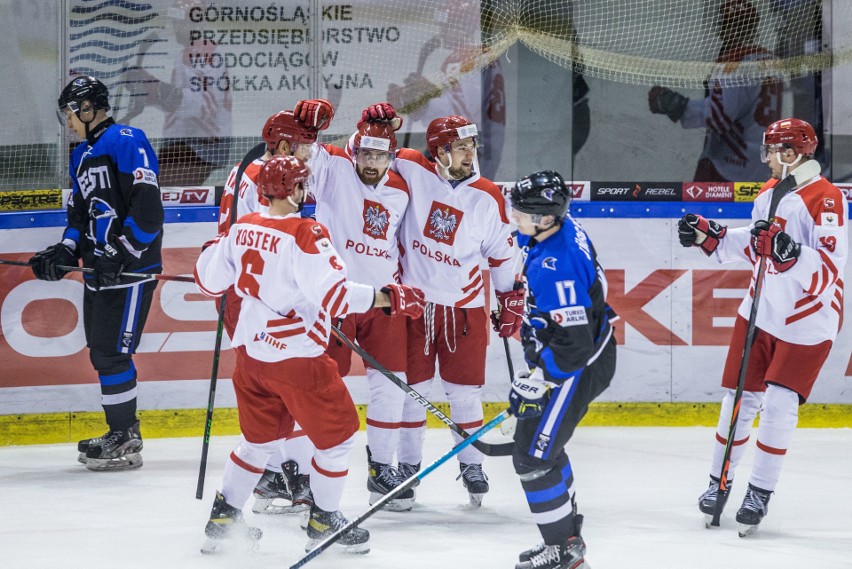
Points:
(285, 485)
(569, 346)
(362, 202)
(804, 249)
(455, 221)
(293, 283)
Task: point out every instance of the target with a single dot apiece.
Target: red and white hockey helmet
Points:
(378, 135)
(280, 176)
(284, 126)
(794, 133)
(444, 131)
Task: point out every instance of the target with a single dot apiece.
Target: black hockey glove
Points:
(110, 264)
(46, 263)
(663, 101)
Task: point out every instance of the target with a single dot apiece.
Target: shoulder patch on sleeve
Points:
(570, 316)
(144, 176)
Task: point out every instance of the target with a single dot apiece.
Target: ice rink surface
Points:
(637, 488)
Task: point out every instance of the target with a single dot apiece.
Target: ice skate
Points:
(226, 522)
(84, 445)
(384, 478)
(323, 524)
(406, 471)
(475, 481)
(288, 486)
(755, 506)
(569, 555)
(707, 500)
(116, 450)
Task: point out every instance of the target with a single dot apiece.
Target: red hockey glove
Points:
(769, 241)
(507, 319)
(698, 231)
(405, 300)
(382, 112)
(316, 113)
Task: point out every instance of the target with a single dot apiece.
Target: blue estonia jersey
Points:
(567, 318)
(116, 195)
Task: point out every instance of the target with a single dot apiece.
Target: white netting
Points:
(200, 76)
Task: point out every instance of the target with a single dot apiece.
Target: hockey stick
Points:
(401, 488)
(250, 157)
(801, 175)
(508, 427)
(87, 270)
(504, 449)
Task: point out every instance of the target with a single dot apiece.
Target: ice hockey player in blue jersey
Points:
(115, 224)
(569, 346)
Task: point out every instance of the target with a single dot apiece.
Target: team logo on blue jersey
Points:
(549, 263)
(442, 223)
(127, 339)
(126, 132)
(543, 442)
(376, 220)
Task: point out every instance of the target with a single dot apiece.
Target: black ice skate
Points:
(288, 486)
(226, 522)
(407, 470)
(83, 446)
(569, 555)
(116, 450)
(475, 481)
(323, 524)
(755, 506)
(707, 500)
(381, 480)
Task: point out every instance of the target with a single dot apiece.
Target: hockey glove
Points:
(663, 101)
(110, 264)
(46, 263)
(405, 300)
(698, 231)
(382, 112)
(316, 113)
(527, 397)
(507, 319)
(769, 241)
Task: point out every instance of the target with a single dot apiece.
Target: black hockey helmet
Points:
(80, 89)
(542, 193)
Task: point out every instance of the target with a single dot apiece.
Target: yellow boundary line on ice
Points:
(49, 428)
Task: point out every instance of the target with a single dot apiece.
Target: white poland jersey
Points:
(804, 304)
(448, 231)
(250, 200)
(363, 220)
(292, 282)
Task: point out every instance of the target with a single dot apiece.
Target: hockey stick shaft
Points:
(87, 270)
(485, 448)
(805, 172)
(250, 157)
(474, 437)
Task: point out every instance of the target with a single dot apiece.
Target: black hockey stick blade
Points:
(500, 449)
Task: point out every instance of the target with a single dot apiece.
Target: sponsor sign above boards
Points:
(637, 191)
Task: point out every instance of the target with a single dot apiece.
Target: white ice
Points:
(637, 488)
